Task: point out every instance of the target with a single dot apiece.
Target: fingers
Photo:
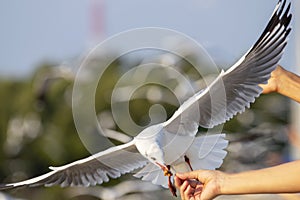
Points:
(269, 87)
(183, 187)
(273, 83)
(179, 182)
(189, 175)
(199, 184)
(190, 188)
(198, 191)
(187, 191)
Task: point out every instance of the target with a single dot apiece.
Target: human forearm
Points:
(279, 179)
(289, 85)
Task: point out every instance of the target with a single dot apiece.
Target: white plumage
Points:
(167, 145)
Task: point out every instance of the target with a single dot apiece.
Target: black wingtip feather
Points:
(287, 32)
(277, 18)
(282, 7)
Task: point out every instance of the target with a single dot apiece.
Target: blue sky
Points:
(34, 31)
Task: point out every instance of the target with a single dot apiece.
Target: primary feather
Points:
(96, 169)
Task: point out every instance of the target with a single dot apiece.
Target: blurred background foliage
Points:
(37, 129)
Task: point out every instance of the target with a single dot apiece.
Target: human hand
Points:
(274, 81)
(283, 82)
(199, 185)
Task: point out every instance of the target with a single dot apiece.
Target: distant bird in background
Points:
(172, 146)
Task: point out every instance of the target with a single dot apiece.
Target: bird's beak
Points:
(166, 169)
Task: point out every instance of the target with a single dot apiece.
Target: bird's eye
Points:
(153, 158)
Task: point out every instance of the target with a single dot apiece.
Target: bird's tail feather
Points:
(207, 152)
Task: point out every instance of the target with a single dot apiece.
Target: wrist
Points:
(235, 183)
(223, 183)
(280, 75)
(288, 83)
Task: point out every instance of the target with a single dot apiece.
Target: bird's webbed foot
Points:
(172, 188)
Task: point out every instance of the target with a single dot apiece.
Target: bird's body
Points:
(204, 152)
(172, 146)
(156, 144)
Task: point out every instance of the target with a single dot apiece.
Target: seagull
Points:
(163, 149)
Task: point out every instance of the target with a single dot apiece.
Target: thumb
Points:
(189, 175)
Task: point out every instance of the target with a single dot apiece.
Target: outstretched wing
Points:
(96, 169)
(235, 89)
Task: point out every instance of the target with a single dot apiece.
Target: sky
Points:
(37, 31)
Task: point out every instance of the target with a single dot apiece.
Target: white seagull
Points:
(172, 146)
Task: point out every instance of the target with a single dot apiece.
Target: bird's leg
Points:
(187, 160)
(170, 184)
(167, 172)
